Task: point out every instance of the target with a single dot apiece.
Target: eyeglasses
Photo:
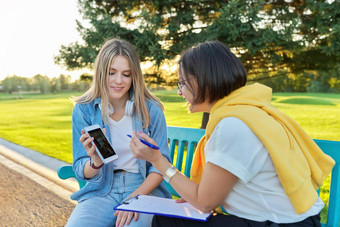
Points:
(181, 84)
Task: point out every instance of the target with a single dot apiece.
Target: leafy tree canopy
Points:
(268, 36)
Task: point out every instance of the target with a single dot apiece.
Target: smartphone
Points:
(103, 147)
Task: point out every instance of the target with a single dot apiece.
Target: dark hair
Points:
(216, 69)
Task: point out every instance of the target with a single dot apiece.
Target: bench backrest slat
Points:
(184, 137)
(332, 148)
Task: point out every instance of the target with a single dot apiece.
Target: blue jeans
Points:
(98, 211)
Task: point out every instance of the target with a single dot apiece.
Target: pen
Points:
(147, 143)
(129, 200)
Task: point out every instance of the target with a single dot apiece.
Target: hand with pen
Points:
(143, 147)
(147, 143)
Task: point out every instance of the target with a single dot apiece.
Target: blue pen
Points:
(147, 143)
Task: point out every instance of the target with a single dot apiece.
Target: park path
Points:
(30, 194)
(24, 202)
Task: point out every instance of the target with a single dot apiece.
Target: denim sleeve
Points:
(159, 133)
(80, 157)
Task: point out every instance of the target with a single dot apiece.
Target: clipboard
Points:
(162, 206)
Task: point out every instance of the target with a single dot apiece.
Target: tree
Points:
(65, 82)
(83, 83)
(268, 36)
(41, 83)
(15, 84)
(86, 77)
(55, 85)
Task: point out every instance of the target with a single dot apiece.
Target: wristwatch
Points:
(93, 166)
(170, 173)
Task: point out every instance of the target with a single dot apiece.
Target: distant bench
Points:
(183, 141)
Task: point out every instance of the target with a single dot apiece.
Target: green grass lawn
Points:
(43, 122)
(40, 122)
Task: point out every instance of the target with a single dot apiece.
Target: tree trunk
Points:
(205, 119)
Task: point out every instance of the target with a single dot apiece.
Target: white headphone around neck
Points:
(129, 107)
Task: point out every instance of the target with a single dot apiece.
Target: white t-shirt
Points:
(120, 143)
(259, 194)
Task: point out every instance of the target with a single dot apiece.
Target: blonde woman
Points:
(120, 103)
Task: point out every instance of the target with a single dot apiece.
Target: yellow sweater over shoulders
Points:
(300, 163)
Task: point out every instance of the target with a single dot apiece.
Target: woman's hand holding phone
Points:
(101, 143)
(90, 148)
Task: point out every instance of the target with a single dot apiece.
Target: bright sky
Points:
(31, 33)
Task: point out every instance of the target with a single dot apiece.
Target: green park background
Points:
(43, 122)
(291, 46)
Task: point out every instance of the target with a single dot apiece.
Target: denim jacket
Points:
(88, 114)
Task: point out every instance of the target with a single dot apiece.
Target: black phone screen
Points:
(102, 143)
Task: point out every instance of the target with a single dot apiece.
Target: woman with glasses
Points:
(254, 162)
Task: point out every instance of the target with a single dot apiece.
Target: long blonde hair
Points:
(99, 88)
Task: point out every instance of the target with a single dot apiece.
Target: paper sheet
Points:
(162, 206)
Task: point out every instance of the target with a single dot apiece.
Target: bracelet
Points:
(170, 173)
(93, 166)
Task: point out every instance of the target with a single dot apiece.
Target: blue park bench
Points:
(186, 139)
